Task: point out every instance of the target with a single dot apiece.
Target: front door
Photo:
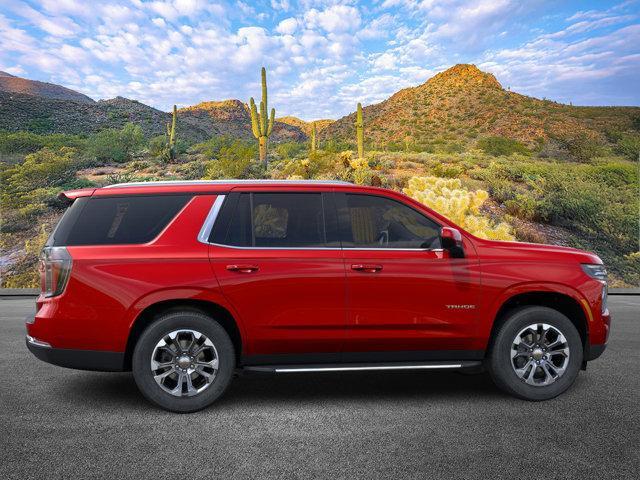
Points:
(279, 264)
(407, 299)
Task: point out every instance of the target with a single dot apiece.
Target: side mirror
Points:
(451, 240)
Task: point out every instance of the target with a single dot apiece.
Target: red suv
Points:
(184, 282)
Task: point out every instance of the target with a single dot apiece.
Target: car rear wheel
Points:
(536, 354)
(184, 361)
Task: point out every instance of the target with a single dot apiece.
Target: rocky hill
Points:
(13, 85)
(305, 126)
(46, 108)
(464, 103)
(232, 118)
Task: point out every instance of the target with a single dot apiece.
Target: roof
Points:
(190, 186)
(227, 182)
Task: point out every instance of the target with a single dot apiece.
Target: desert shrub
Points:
(289, 150)
(116, 145)
(449, 198)
(28, 142)
(157, 145)
(213, 147)
(40, 125)
(498, 146)
(43, 171)
(232, 160)
(629, 146)
(447, 170)
(319, 164)
(194, 170)
(522, 206)
(581, 146)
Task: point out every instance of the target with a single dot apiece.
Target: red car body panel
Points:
(308, 300)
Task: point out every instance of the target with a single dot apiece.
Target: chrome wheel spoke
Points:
(157, 365)
(160, 377)
(184, 362)
(211, 364)
(207, 375)
(190, 389)
(547, 354)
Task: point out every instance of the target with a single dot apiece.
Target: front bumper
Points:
(79, 359)
(595, 351)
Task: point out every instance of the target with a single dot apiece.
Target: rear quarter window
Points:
(116, 220)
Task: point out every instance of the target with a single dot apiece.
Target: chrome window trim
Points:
(212, 216)
(205, 231)
(331, 248)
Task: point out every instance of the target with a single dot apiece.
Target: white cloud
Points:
(280, 5)
(56, 26)
(287, 26)
(335, 19)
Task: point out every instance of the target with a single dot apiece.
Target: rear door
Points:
(279, 263)
(407, 299)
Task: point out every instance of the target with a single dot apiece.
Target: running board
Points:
(351, 367)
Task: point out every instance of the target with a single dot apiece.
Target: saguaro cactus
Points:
(171, 136)
(360, 132)
(314, 138)
(260, 124)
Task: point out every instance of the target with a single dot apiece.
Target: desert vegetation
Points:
(573, 182)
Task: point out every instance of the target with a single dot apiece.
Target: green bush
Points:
(212, 147)
(582, 147)
(498, 146)
(233, 160)
(28, 142)
(289, 150)
(629, 146)
(39, 178)
(116, 145)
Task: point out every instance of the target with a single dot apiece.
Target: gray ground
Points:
(57, 423)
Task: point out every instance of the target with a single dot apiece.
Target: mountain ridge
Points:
(463, 103)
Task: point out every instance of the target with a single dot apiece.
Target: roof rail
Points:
(226, 182)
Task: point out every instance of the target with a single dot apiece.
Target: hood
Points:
(534, 251)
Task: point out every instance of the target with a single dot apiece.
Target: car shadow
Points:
(119, 390)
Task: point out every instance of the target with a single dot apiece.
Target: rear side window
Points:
(283, 220)
(117, 220)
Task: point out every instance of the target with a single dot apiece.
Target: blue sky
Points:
(322, 56)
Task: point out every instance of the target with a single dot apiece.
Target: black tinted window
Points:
(278, 220)
(368, 221)
(120, 220)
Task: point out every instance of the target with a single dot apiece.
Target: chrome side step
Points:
(352, 367)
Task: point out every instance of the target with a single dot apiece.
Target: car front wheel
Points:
(536, 354)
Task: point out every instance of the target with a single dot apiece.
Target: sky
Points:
(322, 57)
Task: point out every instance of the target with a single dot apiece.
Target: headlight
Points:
(597, 271)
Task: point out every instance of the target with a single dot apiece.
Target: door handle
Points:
(242, 268)
(368, 268)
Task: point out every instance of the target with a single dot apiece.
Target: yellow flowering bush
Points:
(447, 197)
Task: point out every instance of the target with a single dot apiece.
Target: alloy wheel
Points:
(539, 354)
(184, 363)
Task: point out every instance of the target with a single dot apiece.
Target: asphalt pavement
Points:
(57, 423)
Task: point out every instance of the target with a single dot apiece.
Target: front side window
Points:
(278, 220)
(369, 221)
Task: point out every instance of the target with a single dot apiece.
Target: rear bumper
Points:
(79, 359)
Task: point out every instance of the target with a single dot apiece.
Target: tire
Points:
(514, 374)
(211, 369)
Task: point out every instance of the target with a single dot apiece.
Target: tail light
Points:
(55, 268)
